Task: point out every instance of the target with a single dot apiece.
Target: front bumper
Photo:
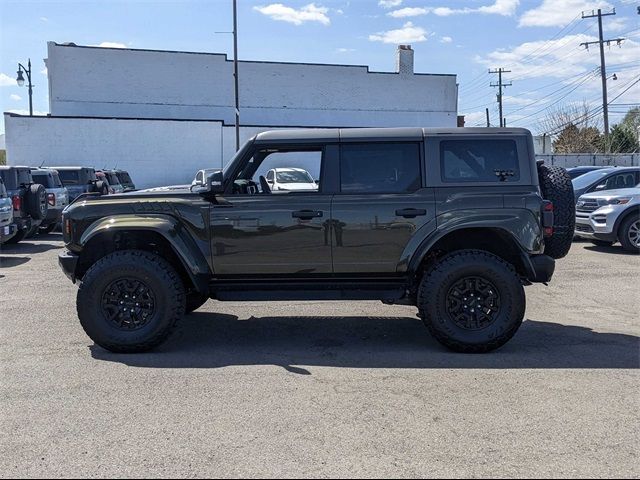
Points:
(597, 225)
(68, 261)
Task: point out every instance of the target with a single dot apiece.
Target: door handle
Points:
(306, 214)
(411, 212)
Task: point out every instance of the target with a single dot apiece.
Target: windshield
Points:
(113, 179)
(293, 176)
(124, 177)
(583, 181)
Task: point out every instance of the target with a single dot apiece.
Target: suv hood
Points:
(620, 192)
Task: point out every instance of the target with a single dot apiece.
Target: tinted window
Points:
(124, 177)
(24, 176)
(380, 168)
(293, 176)
(43, 179)
(619, 180)
(3, 190)
(479, 161)
(583, 181)
(56, 183)
(113, 178)
(9, 178)
(69, 177)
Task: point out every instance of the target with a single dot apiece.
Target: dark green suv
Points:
(452, 221)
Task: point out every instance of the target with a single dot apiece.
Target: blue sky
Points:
(537, 39)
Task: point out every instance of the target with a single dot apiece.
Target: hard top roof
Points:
(396, 133)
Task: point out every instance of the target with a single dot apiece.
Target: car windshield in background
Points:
(69, 177)
(583, 181)
(113, 179)
(293, 176)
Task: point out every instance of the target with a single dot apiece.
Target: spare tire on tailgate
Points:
(556, 186)
(35, 199)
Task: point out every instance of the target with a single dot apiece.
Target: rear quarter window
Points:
(69, 177)
(481, 161)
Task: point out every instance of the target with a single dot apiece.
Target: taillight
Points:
(51, 197)
(547, 218)
(17, 202)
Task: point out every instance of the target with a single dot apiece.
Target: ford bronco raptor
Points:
(452, 221)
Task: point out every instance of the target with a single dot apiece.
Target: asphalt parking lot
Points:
(323, 388)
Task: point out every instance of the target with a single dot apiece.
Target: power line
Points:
(603, 67)
(500, 86)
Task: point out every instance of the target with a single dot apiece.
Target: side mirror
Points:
(212, 184)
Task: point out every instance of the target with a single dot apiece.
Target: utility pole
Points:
(603, 67)
(235, 72)
(487, 112)
(500, 85)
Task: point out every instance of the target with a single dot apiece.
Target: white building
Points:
(162, 115)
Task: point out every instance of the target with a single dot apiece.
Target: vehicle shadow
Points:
(614, 249)
(29, 247)
(8, 262)
(208, 340)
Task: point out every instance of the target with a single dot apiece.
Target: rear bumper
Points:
(540, 268)
(7, 232)
(68, 262)
(54, 215)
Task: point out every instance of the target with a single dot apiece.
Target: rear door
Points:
(382, 208)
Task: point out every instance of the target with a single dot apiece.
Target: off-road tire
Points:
(35, 200)
(439, 280)
(556, 186)
(195, 301)
(156, 273)
(18, 237)
(623, 233)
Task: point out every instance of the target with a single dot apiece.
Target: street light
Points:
(20, 81)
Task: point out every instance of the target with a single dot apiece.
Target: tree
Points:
(575, 128)
(3, 157)
(632, 119)
(623, 139)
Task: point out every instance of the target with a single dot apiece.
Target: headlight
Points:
(613, 201)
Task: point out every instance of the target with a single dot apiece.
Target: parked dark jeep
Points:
(79, 180)
(29, 200)
(57, 197)
(7, 227)
(452, 221)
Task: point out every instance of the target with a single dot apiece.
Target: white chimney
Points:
(404, 60)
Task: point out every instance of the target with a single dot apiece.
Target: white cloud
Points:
(560, 58)
(505, 8)
(390, 3)
(44, 19)
(408, 12)
(308, 13)
(474, 118)
(345, 50)
(44, 71)
(558, 13)
(7, 81)
(409, 33)
(15, 97)
(446, 40)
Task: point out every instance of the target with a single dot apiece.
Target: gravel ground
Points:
(323, 389)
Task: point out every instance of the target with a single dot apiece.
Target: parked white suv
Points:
(610, 216)
(290, 179)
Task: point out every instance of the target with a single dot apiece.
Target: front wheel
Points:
(130, 300)
(472, 301)
(629, 234)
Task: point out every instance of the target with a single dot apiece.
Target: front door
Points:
(382, 207)
(278, 226)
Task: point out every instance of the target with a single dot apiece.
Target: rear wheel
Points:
(129, 301)
(629, 234)
(471, 301)
(556, 186)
